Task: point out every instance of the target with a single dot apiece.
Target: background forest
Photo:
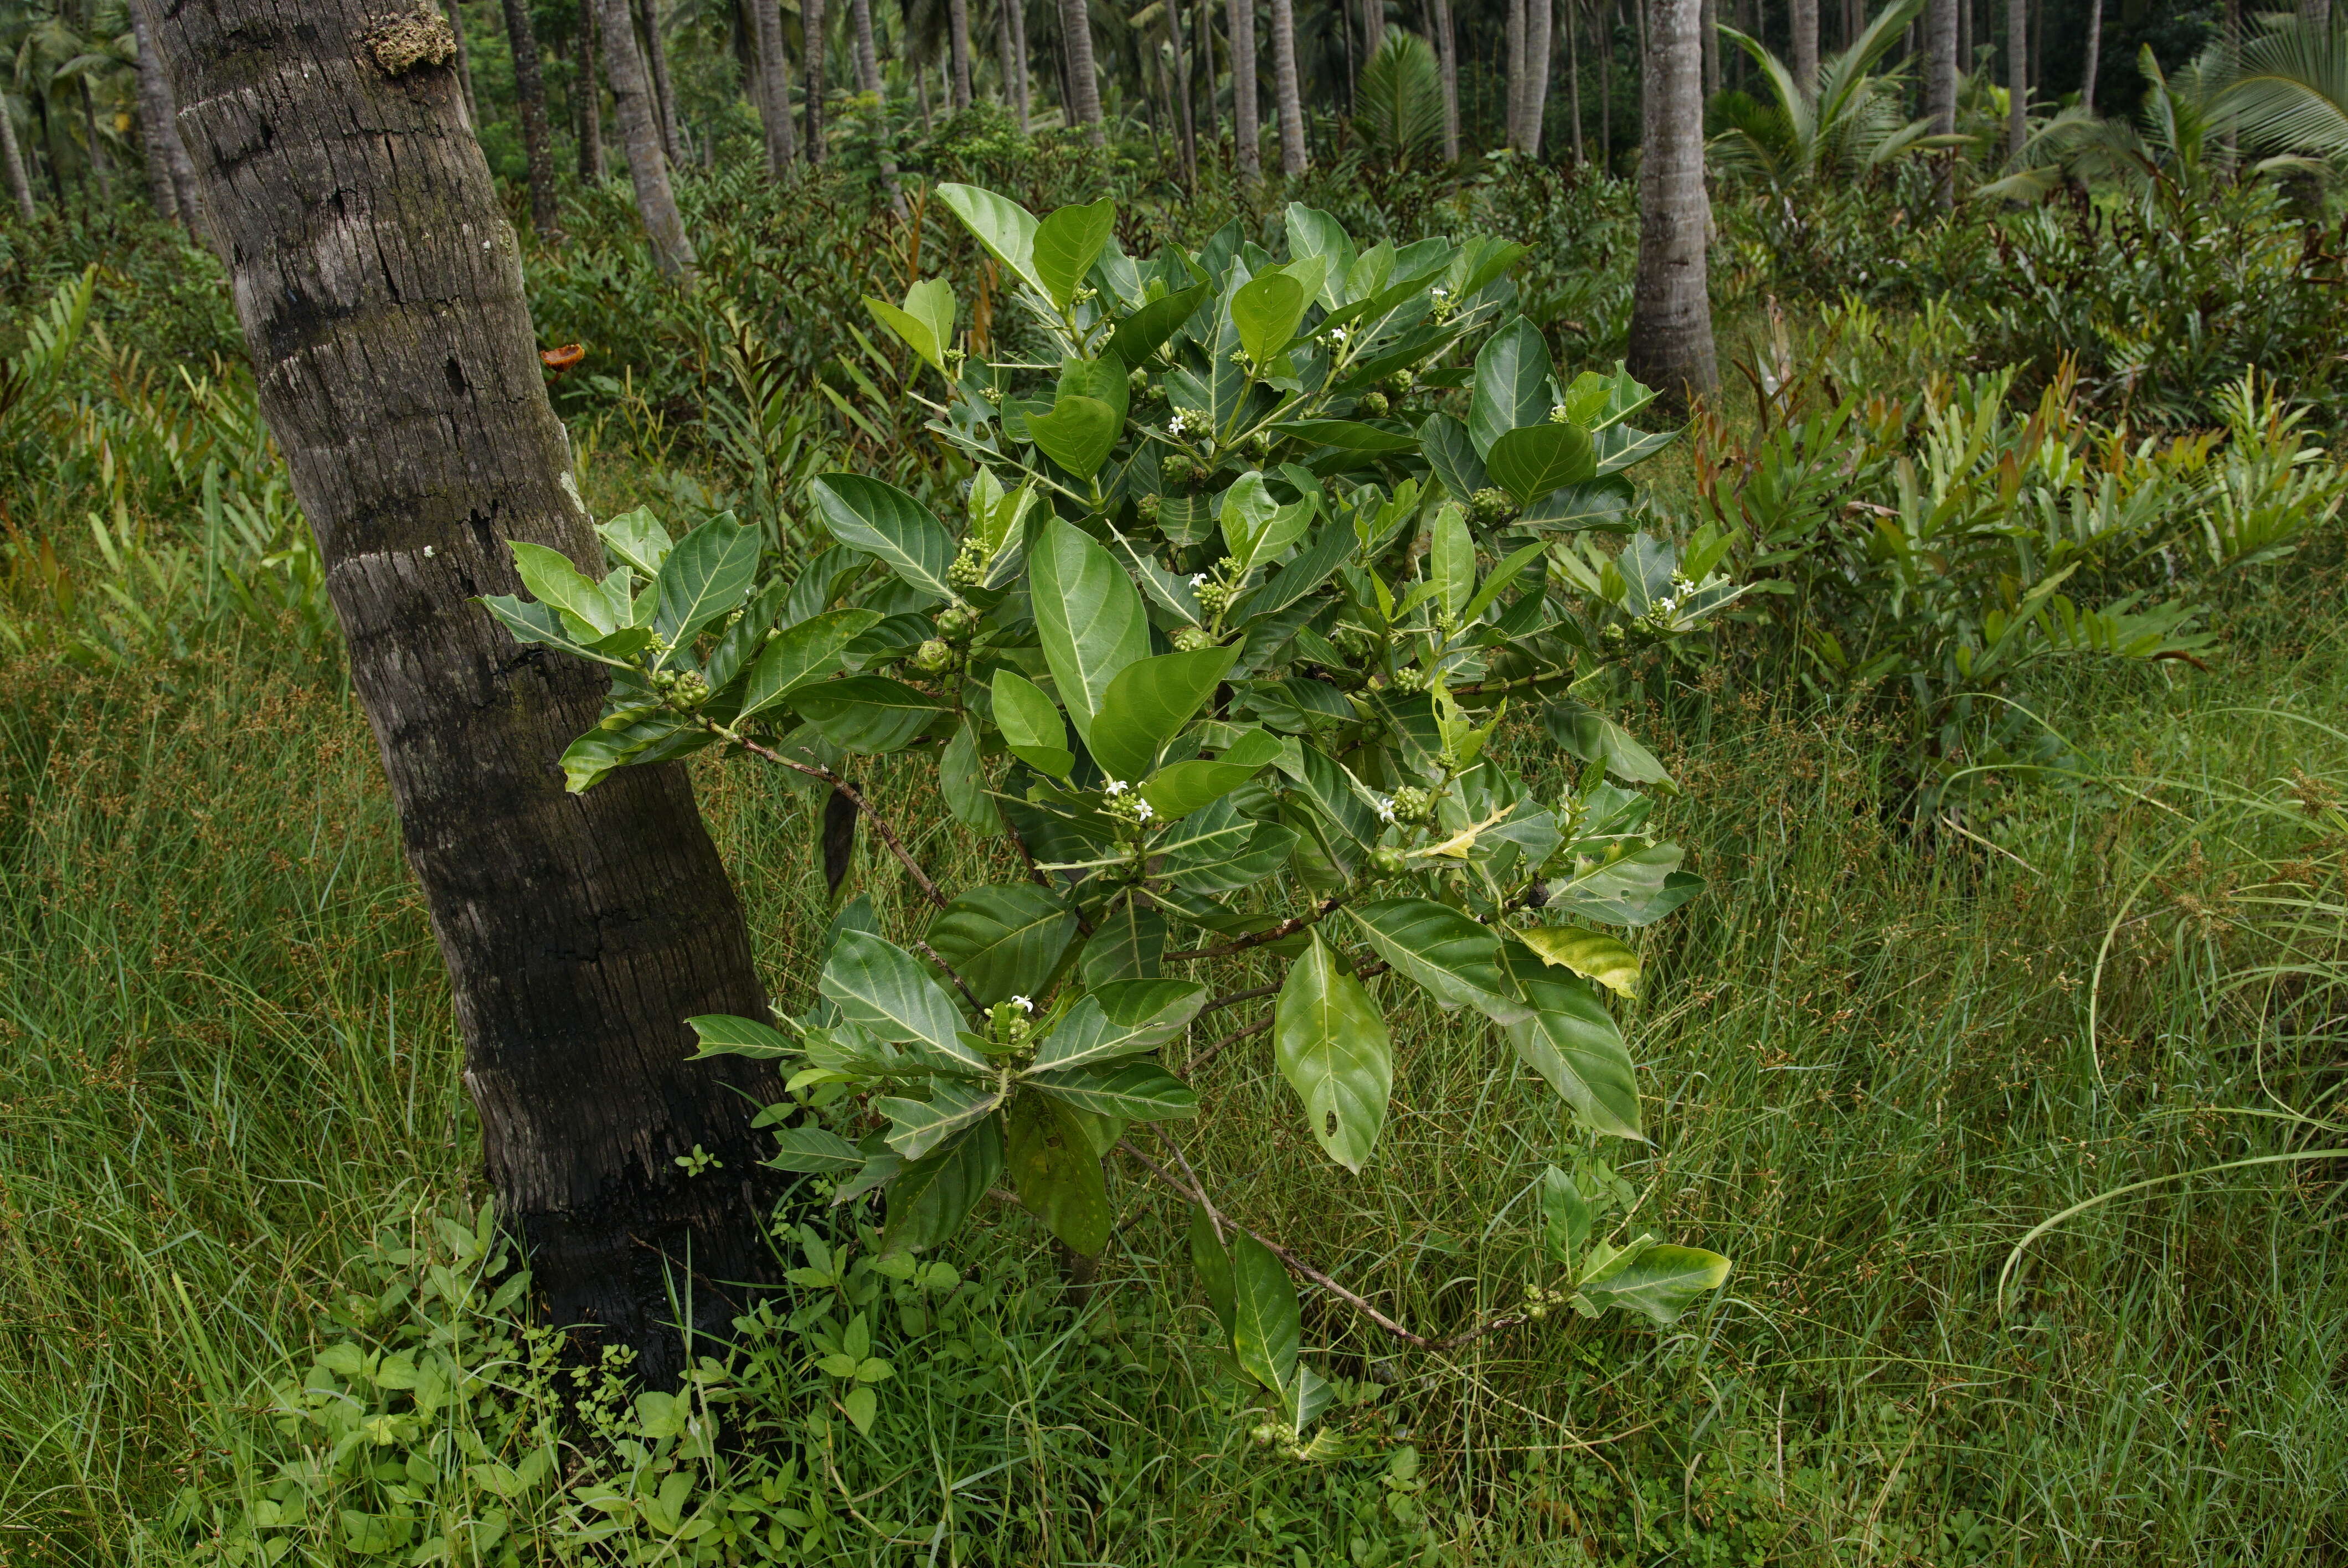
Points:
(1971, 627)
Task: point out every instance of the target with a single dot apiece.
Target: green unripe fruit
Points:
(1147, 508)
(1387, 859)
(1412, 803)
(1374, 404)
(1191, 639)
(956, 621)
(932, 657)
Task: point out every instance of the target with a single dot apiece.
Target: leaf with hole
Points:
(1330, 1042)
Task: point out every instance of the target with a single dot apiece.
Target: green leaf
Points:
(1591, 736)
(1057, 1176)
(1088, 616)
(1335, 795)
(1511, 389)
(879, 984)
(918, 1126)
(813, 1151)
(1444, 441)
(868, 714)
(1450, 957)
(598, 608)
(929, 1199)
(882, 520)
(1330, 1043)
(1104, 379)
(1266, 1323)
(1311, 233)
(1134, 1091)
(1213, 1264)
(1181, 788)
(1267, 312)
(1124, 946)
(801, 656)
(925, 320)
(1570, 1039)
(1077, 434)
(586, 760)
(1031, 724)
(722, 1034)
(1122, 1018)
(1146, 705)
(962, 779)
(1566, 1216)
(1451, 561)
(1635, 890)
(1006, 229)
(1217, 850)
(1067, 243)
(708, 573)
(1348, 435)
(1659, 1282)
(637, 539)
(1502, 576)
(1003, 940)
(1258, 527)
(1142, 334)
(1593, 954)
(1532, 462)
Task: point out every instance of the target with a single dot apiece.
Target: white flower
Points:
(1141, 809)
(1440, 292)
(1023, 1004)
(1178, 423)
(1197, 580)
(1385, 811)
(1113, 788)
(1338, 334)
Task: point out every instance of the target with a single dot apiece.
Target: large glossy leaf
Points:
(1212, 1261)
(638, 539)
(1311, 233)
(1067, 243)
(1604, 505)
(1088, 617)
(925, 320)
(814, 1151)
(1266, 1324)
(597, 607)
(1256, 526)
(1131, 1091)
(1332, 791)
(1124, 946)
(722, 1034)
(1450, 957)
(1451, 561)
(1266, 311)
(1591, 736)
(586, 760)
(708, 573)
(868, 714)
(1330, 1043)
(1638, 889)
(1031, 724)
(1006, 229)
(878, 985)
(1512, 384)
(1532, 462)
(1003, 940)
(962, 780)
(1571, 1040)
(1566, 1216)
(1146, 705)
(882, 520)
(1181, 788)
(1078, 434)
(1144, 331)
(1349, 435)
(1217, 850)
(1122, 1018)
(1590, 953)
(1659, 1282)
(802, 655)
(1453, 456)
(929, 1199)
(918, 1126)
(1052, 1168)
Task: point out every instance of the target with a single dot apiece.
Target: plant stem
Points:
(879, 823)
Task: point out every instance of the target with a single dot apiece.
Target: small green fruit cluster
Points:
(1492, 506)
(934, 656)
(1411, 805)
(969, 568)
(1191, 639)
(682, 688)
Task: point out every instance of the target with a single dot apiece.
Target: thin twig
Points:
(1192, 1067)
(1236, 998)
(1288, 928)
(879, 823)
(968, 995)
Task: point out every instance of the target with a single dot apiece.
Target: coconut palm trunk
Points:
(588, 94)
(812, 45)
(1286, 91)
(464, 59)
(1083, 81)
(2094, 56)
(1247, 127)
(1538, 49)
(653, 51)
(2017, 79)
(1940, 85)
(868, 82)
(1446, 59)
(1512, 114)
(380, 293)
(171, 176)
(20, 186)
(638, 113)
(1671, 347)
(958, 53)
(773, 85)
(1179, 59)
(530, 96)
(1803, 16)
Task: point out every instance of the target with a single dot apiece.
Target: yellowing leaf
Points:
(1591, 954)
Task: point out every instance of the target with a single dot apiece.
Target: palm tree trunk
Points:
(1804, 17)
(20, 186)
(1941, 85)
(1180, 61)
(1084, 83)
(655, 58)
(2095, 53)
(812, 45)
(100, 166)
(1446, 62)
(406, 394)
(1573, 79)
(1602, 18)
(171, 176)
(464, 61)
(773, 83)
(1671, 347)
(639, 116)
(588, 90)
(1373, 27)
(2315, 14)
(958, 52)
(1711, 27)
(1539, 49)
(529, 92)
(1285, 88)
(2017, 79)
(1513, 114)
(868, 82)
(1246, 129)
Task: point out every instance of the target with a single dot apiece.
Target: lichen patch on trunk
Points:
(411, 43)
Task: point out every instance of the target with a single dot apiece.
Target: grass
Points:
(230, 1064)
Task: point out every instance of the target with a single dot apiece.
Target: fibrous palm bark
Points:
(171, 177)
(958, 52)
(1246, 129)
(2017, 79)
(1940, 81)
(811, 26)
(1803, 14)
(1286, 89)
(530, 94)
(380, 293)
(1670, 347)
(773, 85)
(1083, 81)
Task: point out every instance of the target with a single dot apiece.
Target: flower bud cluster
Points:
(1411, 804)
(1124, 803)
(969, 568)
